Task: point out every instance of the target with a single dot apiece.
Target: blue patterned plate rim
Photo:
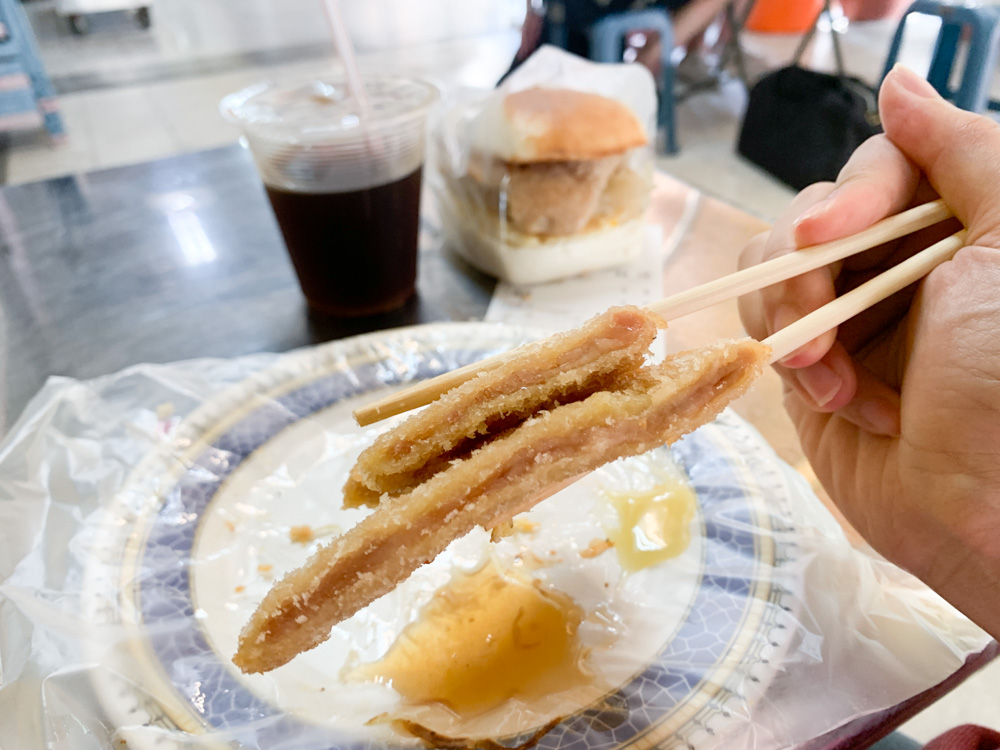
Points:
(309, 381)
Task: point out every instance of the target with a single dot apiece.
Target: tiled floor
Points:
(190, 35)
(134, 96)
(111, 126)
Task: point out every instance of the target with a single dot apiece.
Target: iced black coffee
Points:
(344, 184)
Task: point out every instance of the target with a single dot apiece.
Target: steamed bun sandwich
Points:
(490, 449)
(544, 183)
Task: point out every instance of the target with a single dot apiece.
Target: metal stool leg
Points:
(897, 42)
(981, 25)
(943, 57)
(733, 49)
(667, 111)
(974, 91)
(606, 39)
(667, 114)
(31, 61)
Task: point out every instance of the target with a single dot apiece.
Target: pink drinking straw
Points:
(342, 43)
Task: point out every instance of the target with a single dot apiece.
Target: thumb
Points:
(959, 151)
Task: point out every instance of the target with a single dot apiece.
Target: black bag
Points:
(802, 126)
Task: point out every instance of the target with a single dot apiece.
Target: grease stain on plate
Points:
(485, 638)
(653, 524)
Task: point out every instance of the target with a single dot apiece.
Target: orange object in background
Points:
(783, 16)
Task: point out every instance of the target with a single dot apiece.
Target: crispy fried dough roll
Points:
(566, 367)
(502, 478)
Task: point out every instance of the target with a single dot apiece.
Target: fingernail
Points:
(821, 382)
(796, 359)
(784, 316)
(816, 211)
(881, 416)
(912, 82)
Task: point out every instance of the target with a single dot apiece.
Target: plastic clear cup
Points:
(344, 186)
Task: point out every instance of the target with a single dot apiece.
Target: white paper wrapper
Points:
(467, 159)
(145, 513)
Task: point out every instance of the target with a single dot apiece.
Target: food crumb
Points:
(501, 530)
(240, 589)
(524, 526)
(231, 526)
(596, 547)
(530, 560)
(264, 568)
(301, 534)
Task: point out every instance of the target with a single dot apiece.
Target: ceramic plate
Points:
(678, 650)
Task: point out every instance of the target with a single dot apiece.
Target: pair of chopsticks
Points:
(752, 279)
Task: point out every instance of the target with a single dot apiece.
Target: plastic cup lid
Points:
(324, 107)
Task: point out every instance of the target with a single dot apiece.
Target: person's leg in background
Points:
(575, 17)
(692, 18)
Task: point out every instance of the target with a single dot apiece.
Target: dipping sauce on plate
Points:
(485, 638)
(653, 525)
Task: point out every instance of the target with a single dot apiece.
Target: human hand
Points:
(899, 409)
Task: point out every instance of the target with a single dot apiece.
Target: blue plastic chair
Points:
(19, 57)
(983, 27)
(607, 39)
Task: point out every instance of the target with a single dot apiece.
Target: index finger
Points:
(877, 181)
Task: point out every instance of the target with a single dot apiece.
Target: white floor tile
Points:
(190, 111)
(35, 156)
(128, 127)
(48, 161)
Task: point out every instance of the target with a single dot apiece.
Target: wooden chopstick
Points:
(794, 264)
(873, 291)
(734, 285)
(422, 393)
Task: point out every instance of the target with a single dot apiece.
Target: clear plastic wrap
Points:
(529, 223)
(145, 514)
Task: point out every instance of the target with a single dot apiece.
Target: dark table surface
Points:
(169, 260)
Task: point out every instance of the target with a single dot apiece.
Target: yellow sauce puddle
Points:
(653, 525)
(485, 638)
